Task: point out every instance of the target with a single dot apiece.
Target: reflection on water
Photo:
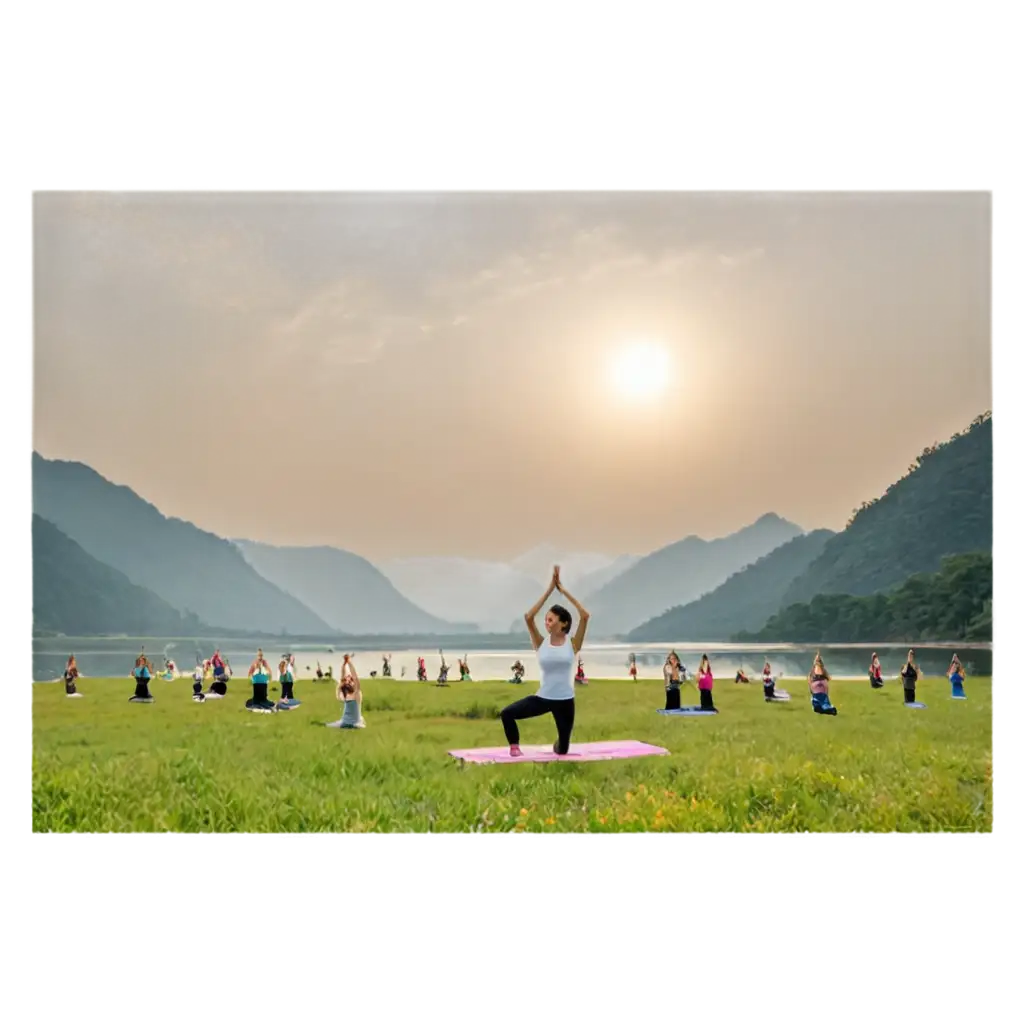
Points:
(115, 657)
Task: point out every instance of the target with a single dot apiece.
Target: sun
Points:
(639, 369)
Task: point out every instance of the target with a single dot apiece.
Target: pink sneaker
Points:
(514, 750)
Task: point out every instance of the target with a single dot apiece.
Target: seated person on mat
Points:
(741, 676)
(956, 676)
(350, 692)
(910, 675)
(198, 675)
(259, 673)
(875, 672)
(817, 681)
(142, 676)
(70, 675)
(518, 671)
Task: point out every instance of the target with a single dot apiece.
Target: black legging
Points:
(287, 691)
(564, 712)
(142, 687)
(706, 703)
(671, 698)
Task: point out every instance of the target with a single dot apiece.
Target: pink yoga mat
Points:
(610, 750)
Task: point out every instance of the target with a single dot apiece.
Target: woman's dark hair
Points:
(348, 687)
(563, 615)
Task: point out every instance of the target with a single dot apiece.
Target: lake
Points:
(112, 657)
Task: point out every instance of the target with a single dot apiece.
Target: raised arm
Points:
(535, 638)
(583, 617)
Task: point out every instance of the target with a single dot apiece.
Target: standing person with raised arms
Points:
(556, 654)
(875, 672)
(955, 675)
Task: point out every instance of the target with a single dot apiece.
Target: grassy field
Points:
(102, 764)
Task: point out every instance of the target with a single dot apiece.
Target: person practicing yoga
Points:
(221, 674)
(286, 677)
(259, 673)
(705, 682)
(673, 681)
(386, 670)
(70, 675)
(518, 671)
(198, 676)
(817, 681)
(910, 674)
(421, 669)
(581, 676)
(142, 674)
(875, 672)
(632, 666)
(956, 676)
(556, 653)
(464, 676)
(442, 676)
(350, 692)
(768, 680)
(741, 676)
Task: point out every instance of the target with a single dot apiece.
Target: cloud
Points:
(220, 264)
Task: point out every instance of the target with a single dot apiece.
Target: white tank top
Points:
(556, 666)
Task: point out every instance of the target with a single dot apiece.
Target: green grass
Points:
(102, 764)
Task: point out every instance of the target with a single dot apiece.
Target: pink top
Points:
(706, 681)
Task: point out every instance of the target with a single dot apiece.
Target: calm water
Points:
(115, 657)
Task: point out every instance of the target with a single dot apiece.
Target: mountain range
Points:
(74, 594)
(106, 560)
(191, 569)
(680, 573)
(342, 588)
(941, 507)
(745, 601)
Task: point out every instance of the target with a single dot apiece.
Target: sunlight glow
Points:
(640, 369)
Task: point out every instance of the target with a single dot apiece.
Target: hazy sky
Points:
(442, 374)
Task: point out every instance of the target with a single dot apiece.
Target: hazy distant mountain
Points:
(594, 581)
(342, 588)
(745, 601)
(489, 594)
(942, 507)
(192, 570)
(74, 594)
(680, 573)
(576, 565)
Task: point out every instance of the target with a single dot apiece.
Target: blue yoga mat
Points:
(957, 698)
(686, 712)
(914, 704)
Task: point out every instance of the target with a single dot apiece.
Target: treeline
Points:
(954, 603)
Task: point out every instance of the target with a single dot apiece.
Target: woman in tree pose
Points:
(386, 670)
(442, 676)
(421, 669)
(464, 676)
(555, 656)
(286, 677)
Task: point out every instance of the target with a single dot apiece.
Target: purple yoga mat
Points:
(610, 750)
